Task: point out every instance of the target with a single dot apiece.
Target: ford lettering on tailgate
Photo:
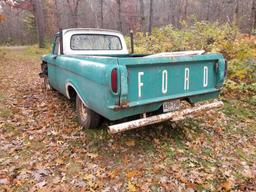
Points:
(170, 80)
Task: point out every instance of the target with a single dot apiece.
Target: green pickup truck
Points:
(93, 67)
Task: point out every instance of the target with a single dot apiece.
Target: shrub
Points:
(238, 49)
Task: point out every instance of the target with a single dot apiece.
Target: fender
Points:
(69, 84)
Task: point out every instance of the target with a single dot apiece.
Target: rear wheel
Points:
(88, 119)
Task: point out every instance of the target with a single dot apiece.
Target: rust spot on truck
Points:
(122, 105)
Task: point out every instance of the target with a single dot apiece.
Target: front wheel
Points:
(46, 84)
(88, 119)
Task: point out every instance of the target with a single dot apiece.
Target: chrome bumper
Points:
(172, 116)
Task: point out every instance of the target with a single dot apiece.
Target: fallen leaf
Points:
(131, 174)
(93, 155)
(130, 143)
(113, 174)
(125, 159)
(156, 141)
(41, 184)
(227, 185)
(59, 161)
(4, 181)
(131, 187)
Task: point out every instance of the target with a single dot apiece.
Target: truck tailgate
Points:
(152, 80)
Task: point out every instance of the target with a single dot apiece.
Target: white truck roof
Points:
(68, 33)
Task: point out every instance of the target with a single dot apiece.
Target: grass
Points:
(2, 97)
(35, 51)
(234, 108)
(5, 112)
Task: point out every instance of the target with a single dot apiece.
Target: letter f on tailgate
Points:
(140, 84)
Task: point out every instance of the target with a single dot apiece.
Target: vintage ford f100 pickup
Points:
(93, 67)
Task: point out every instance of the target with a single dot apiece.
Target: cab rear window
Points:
(95, 42)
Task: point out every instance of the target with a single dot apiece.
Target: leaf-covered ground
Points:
(43, 148)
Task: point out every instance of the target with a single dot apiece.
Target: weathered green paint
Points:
(91, 77)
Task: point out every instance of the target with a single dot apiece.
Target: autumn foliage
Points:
(2, 18)
(238, 49)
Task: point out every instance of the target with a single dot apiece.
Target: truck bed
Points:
(151, 80)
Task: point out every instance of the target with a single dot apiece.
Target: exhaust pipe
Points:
(173, 116)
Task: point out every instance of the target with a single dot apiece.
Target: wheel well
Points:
(72, 93)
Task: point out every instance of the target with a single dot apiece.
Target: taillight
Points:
(114, 80)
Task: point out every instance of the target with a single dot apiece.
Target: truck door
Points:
(53, 62)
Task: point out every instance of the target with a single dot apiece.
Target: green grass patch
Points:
(147, 147)
(178, 137)
(5, 112)
(233, 108)
(34, 50)
(252, 100)
(8, 128)
(170, 152)
(2, 97)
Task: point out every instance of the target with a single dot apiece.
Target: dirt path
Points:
(13, 48)
(42, 147)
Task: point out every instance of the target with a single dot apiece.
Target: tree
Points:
(236, 13)
(119, 23)
(253, 15)
(171, 19)
(142, 15)
(56, 12)
(209, 5)
(36, 8)
(150, 16)
(73, 8)
(39, 15)
(185, 10)
(101, 14)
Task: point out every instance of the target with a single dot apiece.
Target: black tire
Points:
(88, 119)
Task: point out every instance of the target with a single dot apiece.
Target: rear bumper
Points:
(173, 116)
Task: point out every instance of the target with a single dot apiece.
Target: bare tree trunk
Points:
(253, 15)
(185, 16)
(142, 15)
(208, 10)
(76, 13)
(170, 13)
(236, 14)
(73, 7)
(119, 16)
(39, 15)
(94, 13)
(101, 14)
(150, 17)
(56, 12)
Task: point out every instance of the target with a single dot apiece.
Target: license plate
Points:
(171, 106)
